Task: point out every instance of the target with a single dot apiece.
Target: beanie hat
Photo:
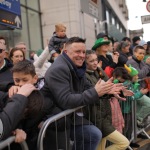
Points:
(131, 70)
(142, 43)
(148, 43)
(102, 35)
(136, 38)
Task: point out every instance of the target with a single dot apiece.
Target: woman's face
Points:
(126, 49)
(103, 48)
(17, 56)
(91, 62)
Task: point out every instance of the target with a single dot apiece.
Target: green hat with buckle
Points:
(100, 42)
(131, 70)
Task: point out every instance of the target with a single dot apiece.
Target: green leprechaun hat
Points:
(131, 70)
(100, 42)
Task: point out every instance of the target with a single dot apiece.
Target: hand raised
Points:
(103, 87)
(26, 89)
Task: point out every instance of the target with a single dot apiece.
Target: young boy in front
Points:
(57, 39)
(37, 108)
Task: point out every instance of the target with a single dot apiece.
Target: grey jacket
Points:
(64, 87)
(54, 43)
(142, 67)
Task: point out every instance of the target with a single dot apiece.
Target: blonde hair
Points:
(59, 26)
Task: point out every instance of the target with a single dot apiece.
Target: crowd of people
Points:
(65, 75)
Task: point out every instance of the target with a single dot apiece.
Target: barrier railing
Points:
(51, 120)
(8, 141)
(55, 118)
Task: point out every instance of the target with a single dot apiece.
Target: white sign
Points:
(93, 10)
(145, 19)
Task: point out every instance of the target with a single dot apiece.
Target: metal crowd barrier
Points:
(51, 120)
(55, 118)
(11, 139)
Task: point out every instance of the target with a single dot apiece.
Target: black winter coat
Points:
(65, 89)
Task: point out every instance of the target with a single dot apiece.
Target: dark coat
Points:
(100, 112)
(54, 43)
(123, 58)
(6, 79)
(11, 114)
(65, 89)
(107, 61)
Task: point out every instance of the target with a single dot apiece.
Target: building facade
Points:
(84, 18)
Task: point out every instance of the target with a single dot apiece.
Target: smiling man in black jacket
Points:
(67, 86)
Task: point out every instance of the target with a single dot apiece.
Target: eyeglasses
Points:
(1, 50)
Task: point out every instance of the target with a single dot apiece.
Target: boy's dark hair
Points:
(121, 72)
(25, 67)
(126, 39)
(136, 48)
(74, 40)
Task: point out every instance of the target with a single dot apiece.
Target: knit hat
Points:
(100, 42)
(131, 70)
(142, 43)
(136, 38)
(102, 35)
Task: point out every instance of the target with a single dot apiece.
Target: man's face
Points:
(23, 47)
(2, 52)
(20, 78)
(139, 54)
(91, 62)
(76, 52)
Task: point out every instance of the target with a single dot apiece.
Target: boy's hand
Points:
(26, 89)
(127, 92)
(144, 91)
(119, 98)
(13, 90)
(20, 135)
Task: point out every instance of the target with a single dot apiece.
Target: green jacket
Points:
(126, 105)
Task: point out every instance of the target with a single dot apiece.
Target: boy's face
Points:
(135, 78)
(61, 32)
(139, 54)
(20, 78)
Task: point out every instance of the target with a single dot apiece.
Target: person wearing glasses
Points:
(6, 79)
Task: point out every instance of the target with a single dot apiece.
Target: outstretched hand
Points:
(127, 92)
(103, 87)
